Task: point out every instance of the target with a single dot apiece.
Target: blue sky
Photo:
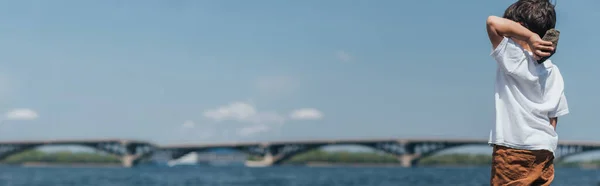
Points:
(221, 71)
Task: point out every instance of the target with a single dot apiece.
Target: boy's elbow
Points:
(491, 27)
(491, 21)
(497, 25)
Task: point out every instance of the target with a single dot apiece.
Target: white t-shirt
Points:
(527, 95)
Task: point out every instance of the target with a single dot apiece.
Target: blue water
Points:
(272, 176)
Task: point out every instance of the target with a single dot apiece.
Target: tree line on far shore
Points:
(61, 157)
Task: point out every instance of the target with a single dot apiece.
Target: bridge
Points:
(129, 151)
(407, 151)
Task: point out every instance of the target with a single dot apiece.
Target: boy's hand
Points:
(539, 47)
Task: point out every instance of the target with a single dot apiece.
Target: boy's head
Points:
(536, 15)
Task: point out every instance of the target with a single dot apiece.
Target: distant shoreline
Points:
(307, 164)
(42, 164)
(326, 164)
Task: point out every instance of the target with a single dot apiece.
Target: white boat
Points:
(256, 164)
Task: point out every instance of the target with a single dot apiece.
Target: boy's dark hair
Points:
(536, 15)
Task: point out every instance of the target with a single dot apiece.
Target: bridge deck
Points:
(290, 142)
(67, 142)
(357, 141)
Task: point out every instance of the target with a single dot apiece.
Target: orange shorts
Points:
(521, 167)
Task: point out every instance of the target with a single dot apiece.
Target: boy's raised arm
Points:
(498, 28)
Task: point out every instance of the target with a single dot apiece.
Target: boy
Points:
(529, 95)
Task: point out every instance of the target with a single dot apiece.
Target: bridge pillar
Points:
(408, 160)
(127, 160)
(267, 161)
(128, 156)
(133, 153)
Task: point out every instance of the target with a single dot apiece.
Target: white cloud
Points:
(260, 121)
(239, 111)
(188, 124)
(21, 114)
(242, 112)
(343, 56)
(256, 121)
(306, 114)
